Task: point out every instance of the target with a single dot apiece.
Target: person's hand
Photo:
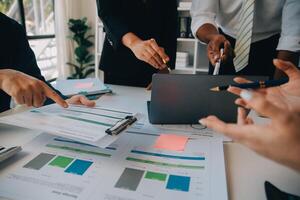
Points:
(286, 96)
(81, 100)
(27, 90)
(148, 51)
(218, 41)
(278, 140)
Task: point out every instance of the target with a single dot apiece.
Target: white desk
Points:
(246, 171)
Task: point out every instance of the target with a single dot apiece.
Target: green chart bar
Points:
(61, 161)
(156, 176)
(164, 164)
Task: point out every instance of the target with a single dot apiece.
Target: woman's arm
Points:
(114, 20)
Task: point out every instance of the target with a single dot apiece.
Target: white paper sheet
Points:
(192, 131)
(129, 169)
(77, 122)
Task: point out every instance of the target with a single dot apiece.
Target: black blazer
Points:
(16, 54)
(145, 18)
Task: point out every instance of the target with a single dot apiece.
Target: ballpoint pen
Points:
(253, 85)
(218, 64)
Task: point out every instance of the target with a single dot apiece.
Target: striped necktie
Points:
(244, 35)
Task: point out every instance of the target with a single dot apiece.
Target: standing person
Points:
(141, 38)
(252, 33)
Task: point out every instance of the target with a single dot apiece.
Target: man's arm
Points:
(26, 61)
(289, 43)
(205, 29)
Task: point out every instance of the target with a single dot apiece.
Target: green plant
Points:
(84, 59)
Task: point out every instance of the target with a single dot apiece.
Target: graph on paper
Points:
(134, 167)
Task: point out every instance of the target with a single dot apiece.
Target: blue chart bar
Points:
(80, 143)
(78, 167)
(167, 156)
(179, 183)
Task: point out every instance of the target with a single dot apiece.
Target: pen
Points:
(166, 63)
(218, 64)
(254, 85)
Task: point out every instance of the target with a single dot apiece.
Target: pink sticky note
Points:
(84, 85)
(171, 142)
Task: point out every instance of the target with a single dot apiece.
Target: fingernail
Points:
(202, 122)
(246, 95)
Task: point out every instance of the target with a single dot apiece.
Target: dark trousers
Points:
(261, 58)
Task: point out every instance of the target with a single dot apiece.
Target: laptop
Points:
(184, 98)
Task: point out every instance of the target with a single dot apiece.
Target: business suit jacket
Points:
(145, 18)
(16, 54)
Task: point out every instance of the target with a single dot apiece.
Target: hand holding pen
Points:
(215, 43)
(286, 96)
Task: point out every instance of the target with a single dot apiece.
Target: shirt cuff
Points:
(289, 43)
(197, 22)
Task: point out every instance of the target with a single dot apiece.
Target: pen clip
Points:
(121, 125)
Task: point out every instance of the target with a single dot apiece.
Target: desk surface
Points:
(246, 171)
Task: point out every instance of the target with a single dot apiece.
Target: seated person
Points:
(278, 140)
(20, 77)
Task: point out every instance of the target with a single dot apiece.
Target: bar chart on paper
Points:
(67, 164)
(59, 168)
(135, 167)
(152, 172)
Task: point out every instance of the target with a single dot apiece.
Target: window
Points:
(37, 17)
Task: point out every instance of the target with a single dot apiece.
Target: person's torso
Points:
(145, 18)
(267, 17)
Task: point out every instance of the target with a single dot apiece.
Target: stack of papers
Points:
(89, 86)
(80, 123)
(182, 59)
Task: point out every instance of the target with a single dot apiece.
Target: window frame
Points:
(23, 23)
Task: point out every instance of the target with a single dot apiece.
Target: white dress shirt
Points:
(270, 17)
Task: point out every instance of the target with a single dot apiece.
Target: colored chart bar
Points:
(167, 156)
(87, 120)
(141, 133)
(78, 167)
(78, 150)
(130, 179)
(38, 162)
(116, 111)
(64, 140)
(156, 176)
(61, 161)
(179, 183)
(164, 164)
(90, 113)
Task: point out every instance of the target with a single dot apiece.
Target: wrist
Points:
(290, 56)
(130, 39)
(212, 36)
(206, 32)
